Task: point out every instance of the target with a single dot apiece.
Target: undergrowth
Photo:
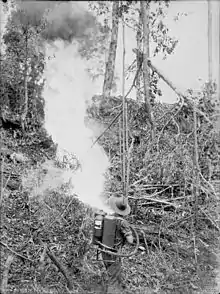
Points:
(173, 256)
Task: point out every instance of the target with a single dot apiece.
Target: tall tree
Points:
(218, 100)
(146, 53)
(210, 40)
(110, 65)
(25, 74)
(23, 62)
(159, 36)
(138, 58)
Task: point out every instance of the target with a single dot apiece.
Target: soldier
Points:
(113, 263)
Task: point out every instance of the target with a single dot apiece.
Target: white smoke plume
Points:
(68, 89)
(63, 20)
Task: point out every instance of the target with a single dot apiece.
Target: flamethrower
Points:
(104, 235)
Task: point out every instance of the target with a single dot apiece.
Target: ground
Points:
(142, 272)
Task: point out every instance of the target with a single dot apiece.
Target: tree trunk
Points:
(210, 40)
(61, 268)
(218, 58)
(138, 59)
(25, 103)
(196, 168)
(124, 121)
(110, 65)
(218, 98)
(2, 180)
(145, 21)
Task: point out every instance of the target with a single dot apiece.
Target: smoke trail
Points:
(66, 21)
(68, 89)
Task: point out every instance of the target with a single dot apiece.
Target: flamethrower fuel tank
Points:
(109, 231)
(98, 228)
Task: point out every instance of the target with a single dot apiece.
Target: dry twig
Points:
(6, 183)
(61, 268)
(119, 114)
(210, 219)
(5, 273)
(171, 118)
(129, 159)
(208, 183)
(2, 175)
(145, 241)
(41, 263)
(152, 195)
(16, 253)
(160, 201)
(181, 96)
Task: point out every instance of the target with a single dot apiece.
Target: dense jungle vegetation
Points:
(172, 155)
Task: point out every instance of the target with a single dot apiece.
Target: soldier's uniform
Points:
(113, 263)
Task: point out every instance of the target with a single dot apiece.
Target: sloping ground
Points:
(217, 271)
(166, 264)
(58, 221)
(217, 280)
(217, 189)
(212, 283)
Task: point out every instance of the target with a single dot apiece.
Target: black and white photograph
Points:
(110, 147)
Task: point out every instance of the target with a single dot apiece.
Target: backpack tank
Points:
(109, 231)
(98, 228)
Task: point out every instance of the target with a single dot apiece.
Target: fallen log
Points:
(61, 268)
(155, 233)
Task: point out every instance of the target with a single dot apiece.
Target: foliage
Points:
(159, 33)
(168, 159)
(173, 256)
(162, 174)
(165, 262)
(13, 63)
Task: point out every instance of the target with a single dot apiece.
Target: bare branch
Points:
(162, 201)
(129, 158)
(179, 94)
(119, 114)
(196, 170)
(152, 195)
(16, 253)
(210, 219)
(2, 177)
(61, 268)
(5, 273)
(208, 183)
(41, 263)
(166, 124)
(145, 241)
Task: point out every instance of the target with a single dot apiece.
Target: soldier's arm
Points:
(126, 230)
